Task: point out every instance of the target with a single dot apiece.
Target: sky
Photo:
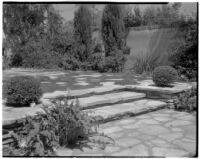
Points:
(67, 10)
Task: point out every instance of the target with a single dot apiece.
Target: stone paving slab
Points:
(12, 114)
(117, 111)
(149, 86)
(84, 92)
(148, 137)
(144, 86)
(110, 98)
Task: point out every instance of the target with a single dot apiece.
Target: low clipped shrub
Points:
(61, 124)
(23, 90)
(164, 75)
(186, 101)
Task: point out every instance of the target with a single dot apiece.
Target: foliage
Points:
(61, 124)
(185, 57)
(83, 33)
(113, 63)
(187, 100)
(22, 22)
(112, 28)
(97, 57)
(143, 63)
(23, 90)
(164, 75)
(132, 19)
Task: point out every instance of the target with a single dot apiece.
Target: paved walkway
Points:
(164, 133)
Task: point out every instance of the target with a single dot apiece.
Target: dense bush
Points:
(185, 57)
(187, 100)
(164, 75)
(113, 63)
(23, 90)
(62, 124)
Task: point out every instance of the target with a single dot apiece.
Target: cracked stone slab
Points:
(110, 98)
(131, 108)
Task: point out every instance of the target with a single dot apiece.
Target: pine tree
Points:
(83, 33)
(113, 29)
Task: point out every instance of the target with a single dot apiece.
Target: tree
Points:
(138, 16)
(83, 33)
(22, 23)
(149, 16)
(185, 57)
(113, 28)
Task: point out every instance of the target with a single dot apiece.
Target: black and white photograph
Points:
(95, 79)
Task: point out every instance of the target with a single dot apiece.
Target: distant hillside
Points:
(156, 42)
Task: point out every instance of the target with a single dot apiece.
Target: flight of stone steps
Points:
(107, 103)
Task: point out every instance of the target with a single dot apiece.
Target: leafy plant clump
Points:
(164, 75)
(23, 90)
(186, 101)
(61, 124)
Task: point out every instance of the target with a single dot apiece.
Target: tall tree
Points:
(138, 16)
(83, 32)
(113, 28)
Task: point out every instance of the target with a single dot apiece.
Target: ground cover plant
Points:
(23, 90)
(164, 76)
(186, 101)
(62, 124)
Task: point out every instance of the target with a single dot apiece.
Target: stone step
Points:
(108, 99)
(118, 111)
(146, 86)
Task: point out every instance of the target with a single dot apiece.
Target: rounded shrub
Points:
(164, 75)
(23, 90)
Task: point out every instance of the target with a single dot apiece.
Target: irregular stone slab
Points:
(82, 83)
(127, 142)
(188, 146)
(164, 119)
(109, 149)
(153, 129)
(115, 79)
(14, 114)
(45, 82)
(83, 92)
(133, 108)
(111, 98)
(171, 136)
(107, 83)
(61, 83)
(167, 152)
(178, 123)
(64, 152)
(111, 130)
(136, 151)
(149, 86)
(92, 75)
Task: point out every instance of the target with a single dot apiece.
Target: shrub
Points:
(23, 90)
(185, 57)
(113, 63)
(187, 100)
(61, 124)
(164, 75)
